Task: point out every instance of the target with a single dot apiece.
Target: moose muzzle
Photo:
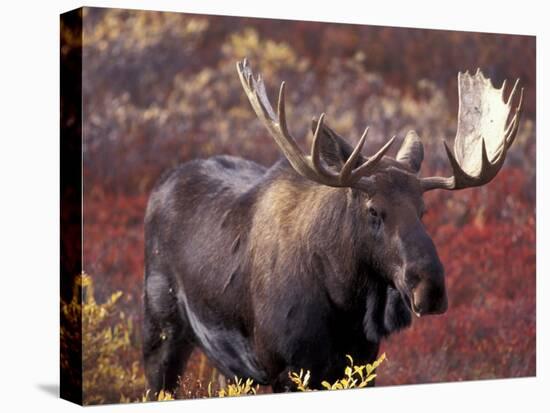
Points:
(424, 276)
(429, 297)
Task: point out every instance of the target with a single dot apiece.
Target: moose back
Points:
(272, 270)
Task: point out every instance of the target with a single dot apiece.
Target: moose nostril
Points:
(429, 298)
(418, 301)
(417, 310)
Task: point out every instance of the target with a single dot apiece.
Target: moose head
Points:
(385, 195)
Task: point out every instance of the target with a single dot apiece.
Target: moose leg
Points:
(282, 383)
(167, 337)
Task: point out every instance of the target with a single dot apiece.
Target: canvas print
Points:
(257, 206)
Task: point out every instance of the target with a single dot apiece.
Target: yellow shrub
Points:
(301, 380)
(355, 376)
(161, 397)
(272, 54)
(238, 388)
(108, 374)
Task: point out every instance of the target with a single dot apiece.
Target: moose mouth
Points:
(436, 304)
(422, 295)
(407, 297)
(415, 310)
(410, 304)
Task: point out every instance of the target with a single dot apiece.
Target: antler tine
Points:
(511, 129)
(513, 92)
(345, 173)
(503, 87)
(281, 111)
(485, 162)
(369, 165)
(455, 166)
(316, 151)
(483, 136)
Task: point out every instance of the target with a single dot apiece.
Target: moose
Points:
(321, 255)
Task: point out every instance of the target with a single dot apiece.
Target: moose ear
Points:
(333, 148)
(411, 153)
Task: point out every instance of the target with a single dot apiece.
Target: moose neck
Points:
(311, 228)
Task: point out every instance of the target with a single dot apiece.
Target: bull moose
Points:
(272, 270)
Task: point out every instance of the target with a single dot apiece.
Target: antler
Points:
(483, 137)
(311, 167)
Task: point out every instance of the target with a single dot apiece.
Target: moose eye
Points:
(373, 212)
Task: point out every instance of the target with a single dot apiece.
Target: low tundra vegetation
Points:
(110, 375)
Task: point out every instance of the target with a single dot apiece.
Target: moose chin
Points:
(272, 270)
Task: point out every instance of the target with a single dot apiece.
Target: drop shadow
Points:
(50, 388)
